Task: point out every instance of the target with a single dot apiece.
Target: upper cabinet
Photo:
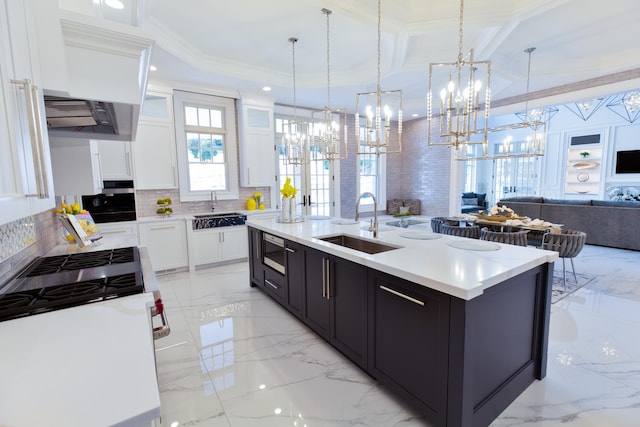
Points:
(257, 143)
(116, 160)
(154, 149)
(25, 178)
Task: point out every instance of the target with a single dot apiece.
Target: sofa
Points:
(473, 202)
(609, 223)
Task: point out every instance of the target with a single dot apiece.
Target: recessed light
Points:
(153, 68)
(115, 4)
(267, 88)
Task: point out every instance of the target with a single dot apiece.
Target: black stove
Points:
(53, 283)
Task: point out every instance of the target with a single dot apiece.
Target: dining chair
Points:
(472, 231)
(436, 222)
(518, 238)
(568, 244)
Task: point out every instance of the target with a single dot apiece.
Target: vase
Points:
(286, 209)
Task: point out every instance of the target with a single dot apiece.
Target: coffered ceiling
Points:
(243, 45)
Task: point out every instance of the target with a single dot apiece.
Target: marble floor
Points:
(235, 358)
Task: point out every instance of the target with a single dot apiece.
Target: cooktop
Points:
(56, 282)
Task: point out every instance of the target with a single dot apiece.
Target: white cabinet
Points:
(154, 150)
(25, 176)
(166, 241)
(77, 167)
(257, 143)
(213, 245)
(115, 158)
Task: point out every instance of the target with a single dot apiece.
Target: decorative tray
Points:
(586, 165)
(498, 218)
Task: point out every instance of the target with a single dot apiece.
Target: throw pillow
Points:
(467, 201)
(481, 198)
(468, 195)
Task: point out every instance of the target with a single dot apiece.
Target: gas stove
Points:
(57, 282)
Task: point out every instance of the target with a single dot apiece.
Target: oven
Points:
(273, 253)
(64, 281)
(116, 203)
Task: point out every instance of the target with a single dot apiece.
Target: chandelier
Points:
(460, 90)
(525, 138)
(296, 132)
(329, 136)
(626, 106)
(587, 107)
(377, 131)
(535, 117)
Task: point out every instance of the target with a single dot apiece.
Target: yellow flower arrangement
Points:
(255, 202)
(288, 190)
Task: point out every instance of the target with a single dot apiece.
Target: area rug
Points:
(559, 292)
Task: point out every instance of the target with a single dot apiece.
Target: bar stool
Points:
(568, 244)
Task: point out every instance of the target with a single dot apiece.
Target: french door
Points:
(514, 177)
(314, 181)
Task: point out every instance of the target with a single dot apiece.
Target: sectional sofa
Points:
(607, 223)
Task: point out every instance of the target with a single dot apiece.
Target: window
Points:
(206, 140)
(371, 176)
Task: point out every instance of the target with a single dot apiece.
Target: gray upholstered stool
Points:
(568, 245)
(518, 238)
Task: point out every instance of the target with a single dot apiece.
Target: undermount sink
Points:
(358, 244)
(213, 220)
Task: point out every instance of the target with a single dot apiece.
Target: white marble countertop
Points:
(83, 366)
(431, 263)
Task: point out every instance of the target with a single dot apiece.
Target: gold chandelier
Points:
(377, 131)
(460, 90)
(526, 138)
(330, 128)
(296, 138)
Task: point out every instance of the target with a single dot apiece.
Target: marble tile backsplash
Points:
(146, 201)
(24, 239)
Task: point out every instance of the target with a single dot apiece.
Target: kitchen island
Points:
(458, 327)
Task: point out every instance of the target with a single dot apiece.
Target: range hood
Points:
(96, 74)
(81, 118)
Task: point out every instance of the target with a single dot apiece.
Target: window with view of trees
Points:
(206, 140)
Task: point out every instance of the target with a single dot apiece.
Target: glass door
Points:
(514, 177)
(314, 181)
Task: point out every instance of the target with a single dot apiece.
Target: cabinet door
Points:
(167, 243)
(348, 294)
(26, 184)
(205, 247)
(115, 157)
(234, 243)
(294, 263)
(316, 309)
(257, 144)
(255, 259)
(77, 167)
(410, 340)
(154, 154)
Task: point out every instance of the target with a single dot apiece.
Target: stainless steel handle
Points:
(290, 250)
(166, 227)
(257, 251)
(328, 278)
(324, 278)
(401, 295)
(36, 136)
(270, 283)
(127, 159)
(100, 178)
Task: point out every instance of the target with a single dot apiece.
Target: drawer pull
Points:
(270, 283)
(401, 295)
(290, 250)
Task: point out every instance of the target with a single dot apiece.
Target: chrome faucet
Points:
(214, 200)
(374, 225)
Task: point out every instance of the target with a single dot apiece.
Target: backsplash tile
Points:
(15, 236)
